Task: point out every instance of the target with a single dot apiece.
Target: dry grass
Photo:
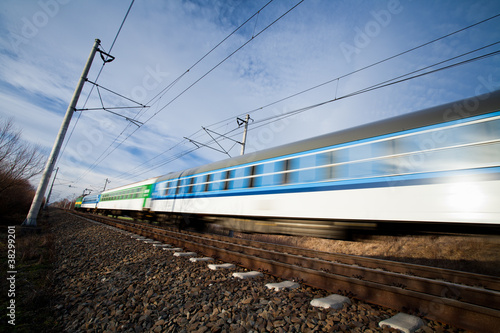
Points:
(35, 254)
(478, 254)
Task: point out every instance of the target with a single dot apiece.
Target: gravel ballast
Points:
(107, 281)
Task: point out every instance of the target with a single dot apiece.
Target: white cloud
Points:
(161, 40)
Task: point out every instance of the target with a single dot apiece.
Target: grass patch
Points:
(35, 255)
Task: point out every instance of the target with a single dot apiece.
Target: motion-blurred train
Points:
(432, 170)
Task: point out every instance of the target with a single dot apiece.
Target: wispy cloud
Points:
(46, 43)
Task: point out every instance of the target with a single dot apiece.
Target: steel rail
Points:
(458, 277)
(471, 308)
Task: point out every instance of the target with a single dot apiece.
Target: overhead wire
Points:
(360, 69)
(97, 77)
(159, 95)
(396, 80)
(222, 61)
(106, 154)
(309, 89)
(337, 79)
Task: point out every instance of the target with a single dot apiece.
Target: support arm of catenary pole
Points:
(199, 145)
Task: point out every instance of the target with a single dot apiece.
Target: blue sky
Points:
(44, 45)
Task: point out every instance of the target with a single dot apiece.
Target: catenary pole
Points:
(106, 183)
(243, 142)
(50, 191)
(47, 172)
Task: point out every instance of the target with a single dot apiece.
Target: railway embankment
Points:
(104, 280)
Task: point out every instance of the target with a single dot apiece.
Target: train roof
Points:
(460, 109)
(142, 182)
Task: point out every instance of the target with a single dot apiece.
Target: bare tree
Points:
(18, 160)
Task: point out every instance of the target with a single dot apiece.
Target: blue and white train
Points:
(435, 169)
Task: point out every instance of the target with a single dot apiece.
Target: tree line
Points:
(19, 162)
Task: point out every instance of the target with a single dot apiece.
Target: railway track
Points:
(465, 300)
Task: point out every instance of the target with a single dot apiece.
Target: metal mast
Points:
(50, 191)
(47, 172)
(106, 183)
(243, 141)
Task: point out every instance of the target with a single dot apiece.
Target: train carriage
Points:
(436, 167)
(78, 202)
(89, 202)
(127, 200)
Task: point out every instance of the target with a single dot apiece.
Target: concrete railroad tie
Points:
(247, 275)
(283, 285)
(184, 254)
(220, 266)
(333, 301)
(403, 322)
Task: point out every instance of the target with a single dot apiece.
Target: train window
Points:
(281, 176)
(252, 170)
(471, 156)
(216, 183)
(269, 176)
(238, 178)
(488, 154)
(228, 176)
(207, 182)
(285, 177)
(191, 186)
(478, 132)
(183, 187)
(494, 129)
(406, 144)
(307, 166)
(361, 169)
(424, 161)
(197, 184)
(441, 138)
(327, 159)
(360, 152)
(342, 155)
(175, 187)
(383, 148)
